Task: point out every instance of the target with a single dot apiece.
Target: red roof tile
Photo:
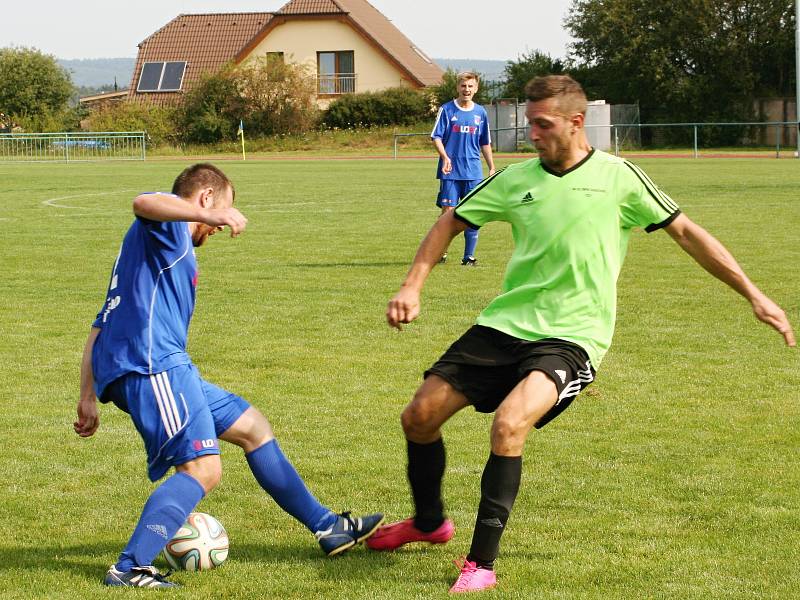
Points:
(310, 7)
(374, 24)
(208, 41)
(205, 41)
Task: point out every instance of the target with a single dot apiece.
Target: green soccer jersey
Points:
(570, 234)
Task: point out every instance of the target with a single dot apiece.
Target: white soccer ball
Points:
(200, 544)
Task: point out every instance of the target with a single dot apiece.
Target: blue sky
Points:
(497, 30)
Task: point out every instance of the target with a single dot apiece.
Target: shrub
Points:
(270, 97)
(158, 122)
(394, 106)
(277, 97)
(209, 112)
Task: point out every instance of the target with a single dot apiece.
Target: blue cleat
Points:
(145, 577)
(346, 532)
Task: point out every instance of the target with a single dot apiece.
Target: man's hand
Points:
(770, 313)
(226, 217)
(88, 417)
(403, 308)
(447, 165)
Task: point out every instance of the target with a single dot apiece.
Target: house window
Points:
(336, 72)
(161, 76)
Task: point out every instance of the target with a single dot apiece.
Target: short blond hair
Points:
(568, 92)
(465, 75)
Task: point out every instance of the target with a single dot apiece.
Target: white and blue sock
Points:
(278, 477)
(163, 514)
(470, 242)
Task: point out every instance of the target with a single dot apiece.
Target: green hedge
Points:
(394, 106)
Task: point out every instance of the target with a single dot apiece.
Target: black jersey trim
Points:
(571, 169)
(656, 226)
(466, 221)
(480, 186)
(664, 201)
(472, 192)
(664, 196)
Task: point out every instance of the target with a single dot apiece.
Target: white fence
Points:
(72, 147)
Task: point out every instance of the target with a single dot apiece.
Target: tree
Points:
(211, 110)
(32, 85)
(278, 97)
(270, 96)
(698, 60)
(534, 64)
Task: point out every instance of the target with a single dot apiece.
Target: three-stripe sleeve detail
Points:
(664, 201)
(480, 186)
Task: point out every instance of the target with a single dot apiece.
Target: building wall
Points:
(301, 40)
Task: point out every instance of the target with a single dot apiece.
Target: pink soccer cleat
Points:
(473, 579)
(391, 537)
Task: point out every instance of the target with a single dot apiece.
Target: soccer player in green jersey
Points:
(536, 345)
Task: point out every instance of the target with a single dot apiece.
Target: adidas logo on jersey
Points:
(527, 198)
(455, 118)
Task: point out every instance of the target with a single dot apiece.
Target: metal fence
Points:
(72, 147)
(776, 138)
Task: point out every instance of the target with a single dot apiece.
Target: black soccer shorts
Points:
(485, 364)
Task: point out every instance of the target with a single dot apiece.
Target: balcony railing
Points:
(336, 83)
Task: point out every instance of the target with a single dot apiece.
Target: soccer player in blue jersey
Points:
(135, 357)
(460, 135)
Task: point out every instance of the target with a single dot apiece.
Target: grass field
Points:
(677, 475)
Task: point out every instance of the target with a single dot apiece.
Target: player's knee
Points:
(207, 470)
(415, 419)
(211, 476)
(508, 435)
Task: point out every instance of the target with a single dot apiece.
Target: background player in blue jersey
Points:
(136, 357)
(460, 135)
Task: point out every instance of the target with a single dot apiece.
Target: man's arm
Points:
(88, 417)
(486, 150)
(447, 165)
(717, 260)
(166, 207)
(405, 306)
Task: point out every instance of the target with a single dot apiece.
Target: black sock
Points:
(499, 487)
(425, 471)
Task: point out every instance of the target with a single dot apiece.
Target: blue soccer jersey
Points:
(462, 132)
(145, 320)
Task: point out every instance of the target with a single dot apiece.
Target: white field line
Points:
(54, 201)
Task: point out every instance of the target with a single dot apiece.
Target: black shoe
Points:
(347, 531)
(146, 577)
(469, 261)
(443, 259)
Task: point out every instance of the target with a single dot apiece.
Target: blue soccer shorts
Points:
(452, 191)
(178, 414)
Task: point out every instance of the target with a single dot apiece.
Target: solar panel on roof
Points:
(150, 78)
(161, 76)
(172, 77)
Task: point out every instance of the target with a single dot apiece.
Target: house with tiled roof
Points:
(349, 44)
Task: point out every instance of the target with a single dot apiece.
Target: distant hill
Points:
(492, 70)
(97, 72)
